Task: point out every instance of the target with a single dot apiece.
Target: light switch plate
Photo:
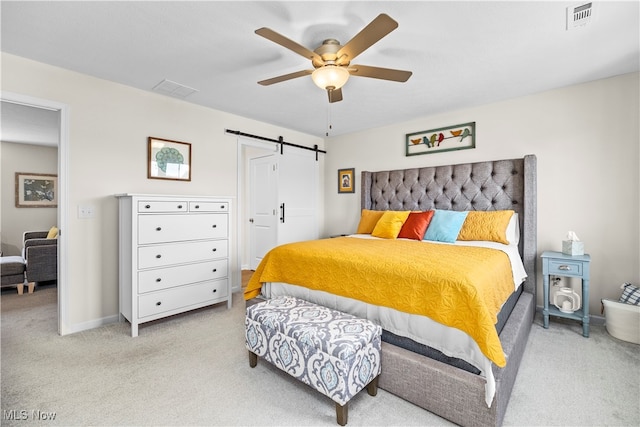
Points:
(85, 211)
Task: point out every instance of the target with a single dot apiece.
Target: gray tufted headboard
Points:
(491, 185)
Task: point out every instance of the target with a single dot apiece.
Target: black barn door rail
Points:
(280, 141)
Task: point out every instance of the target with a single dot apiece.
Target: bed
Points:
(468, 388)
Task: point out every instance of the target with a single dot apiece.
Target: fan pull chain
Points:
(329, 126)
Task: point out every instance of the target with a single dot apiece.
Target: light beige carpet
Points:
(193, 370)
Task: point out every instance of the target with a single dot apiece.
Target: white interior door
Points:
(282, 201)
(297, 195)
(263, 207)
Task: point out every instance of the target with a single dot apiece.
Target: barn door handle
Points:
(282, 213)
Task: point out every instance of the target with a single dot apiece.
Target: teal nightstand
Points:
(559, 264)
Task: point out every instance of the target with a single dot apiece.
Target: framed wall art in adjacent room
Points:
(169, 160)
(36, 190)
(346, 180)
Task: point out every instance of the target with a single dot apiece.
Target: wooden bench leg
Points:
(342, 413)
(372, 387)
(20, 287)
(32, 285)
(253, 359)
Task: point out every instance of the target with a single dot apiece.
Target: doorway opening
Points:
(62, 209)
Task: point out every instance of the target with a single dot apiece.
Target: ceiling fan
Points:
(332, 61)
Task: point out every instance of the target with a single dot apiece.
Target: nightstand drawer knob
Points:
(159, 303)
(564, 268)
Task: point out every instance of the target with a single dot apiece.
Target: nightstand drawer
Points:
(565, 268)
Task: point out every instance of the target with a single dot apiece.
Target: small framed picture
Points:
(36, 190)
(169, 160)
(346, 180)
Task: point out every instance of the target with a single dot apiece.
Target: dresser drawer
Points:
(181, 297)
(565, 268)
(169, 277)
(180, 253)
(162, 206)
(208, 207)
(175, 228)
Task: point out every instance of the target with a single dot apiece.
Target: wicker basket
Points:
(622, 320)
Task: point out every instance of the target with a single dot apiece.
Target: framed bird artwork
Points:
(450, 138)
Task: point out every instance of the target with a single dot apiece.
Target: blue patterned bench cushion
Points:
(336, 353)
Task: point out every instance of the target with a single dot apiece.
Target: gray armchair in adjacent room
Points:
(41, 257)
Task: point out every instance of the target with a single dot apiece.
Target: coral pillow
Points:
(490, 226)
(389, 224)
(416, 225)
(445, 226)
(368, 221)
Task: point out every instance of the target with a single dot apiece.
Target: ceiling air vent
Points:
(167, 87)
(578, 16)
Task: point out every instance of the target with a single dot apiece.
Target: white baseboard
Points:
(92, 324)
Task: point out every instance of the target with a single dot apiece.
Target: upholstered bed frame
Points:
(449, 392)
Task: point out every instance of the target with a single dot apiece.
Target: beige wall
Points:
(586, 138)
(108, 129)
(30, 159)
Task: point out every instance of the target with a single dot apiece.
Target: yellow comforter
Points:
(459, 286)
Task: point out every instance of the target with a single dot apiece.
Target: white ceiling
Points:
(29, 125)
(462, 54)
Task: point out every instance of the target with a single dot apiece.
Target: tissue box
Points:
(572, 247)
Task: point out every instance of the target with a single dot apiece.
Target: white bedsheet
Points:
(450, 341)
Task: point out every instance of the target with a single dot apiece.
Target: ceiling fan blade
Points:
(377, 29)
(269, 34)
(379, 73)
(285, 77)
(335, 95)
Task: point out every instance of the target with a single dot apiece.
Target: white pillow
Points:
(513, 230)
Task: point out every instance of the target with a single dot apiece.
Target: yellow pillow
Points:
(486, 225)
(389, 225)
(368, 221)
(53, 232)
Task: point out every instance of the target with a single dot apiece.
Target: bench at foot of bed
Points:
(335, 353)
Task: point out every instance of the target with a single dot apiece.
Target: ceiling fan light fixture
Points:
(330, 77)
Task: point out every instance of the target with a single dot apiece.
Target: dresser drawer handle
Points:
(564, 268)
(158, 256)
(197, 206)
(215, 290)
(158, 279)
(215, 249)
(147, 206)
(158, 228)
(223, 207)
(179, 206)
(159, 303)
(215, 269)
(214, 226)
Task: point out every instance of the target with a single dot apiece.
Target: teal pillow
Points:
(445, 226)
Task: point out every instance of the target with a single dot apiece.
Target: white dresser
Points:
(174, 255)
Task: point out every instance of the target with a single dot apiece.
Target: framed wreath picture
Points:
(36, 190)
(346, 181)
(169, 159)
